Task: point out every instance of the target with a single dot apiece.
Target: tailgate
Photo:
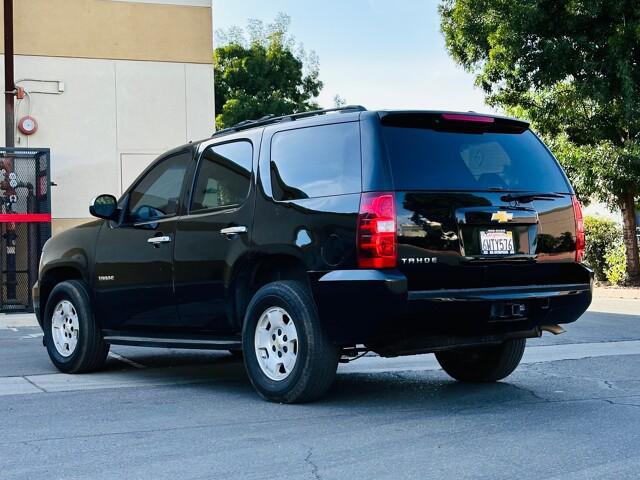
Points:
(478, 240)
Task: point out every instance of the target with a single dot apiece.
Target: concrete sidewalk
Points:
(630, 293)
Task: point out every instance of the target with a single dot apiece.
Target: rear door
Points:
(215, 235)
(480, 203)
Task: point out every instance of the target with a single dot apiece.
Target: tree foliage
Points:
(262, 72)
(572, 67)
(616, 268)
(602, 235)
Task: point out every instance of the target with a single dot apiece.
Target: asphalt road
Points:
(570, 411)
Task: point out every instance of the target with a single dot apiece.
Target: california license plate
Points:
(496, 242)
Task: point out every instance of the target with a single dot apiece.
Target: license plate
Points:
(496, 242)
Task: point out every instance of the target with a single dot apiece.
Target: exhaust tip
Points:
(555, 329)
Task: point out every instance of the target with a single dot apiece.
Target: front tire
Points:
(71, 336)
(483, 364)
(288, 355)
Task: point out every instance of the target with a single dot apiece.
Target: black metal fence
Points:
(25, 223)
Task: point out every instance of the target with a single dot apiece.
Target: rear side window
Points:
(224, 176)
(316, 161)
(425, 159)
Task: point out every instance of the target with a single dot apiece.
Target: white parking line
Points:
(215, 372)
(31, 335)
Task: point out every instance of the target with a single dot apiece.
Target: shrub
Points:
(601, 235)
(616, 260)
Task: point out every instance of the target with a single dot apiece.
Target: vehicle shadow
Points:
(224, 374)
(424, 389)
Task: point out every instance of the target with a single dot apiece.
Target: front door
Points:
(214, 236)
(134, 284)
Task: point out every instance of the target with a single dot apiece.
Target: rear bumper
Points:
(374, 306)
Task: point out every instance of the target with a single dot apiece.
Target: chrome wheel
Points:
(64, 328)
(276, 343)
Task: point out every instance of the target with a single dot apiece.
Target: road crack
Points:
(530, 392)
(618, 404)
(314, 467)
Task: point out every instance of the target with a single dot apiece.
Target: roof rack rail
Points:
(269, 119)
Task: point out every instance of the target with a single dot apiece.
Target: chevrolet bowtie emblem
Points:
(501, 216)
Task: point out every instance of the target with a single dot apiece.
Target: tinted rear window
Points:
(316, 161)
(425, 159)
(224, 176)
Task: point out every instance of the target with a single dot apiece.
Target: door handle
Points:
(233, 230)
(156, 241)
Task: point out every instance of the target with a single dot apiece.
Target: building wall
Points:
(162, 31)
(137, 80)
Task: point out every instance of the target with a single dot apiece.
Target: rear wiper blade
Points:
(529, 196)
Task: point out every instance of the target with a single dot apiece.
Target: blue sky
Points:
(377, 53)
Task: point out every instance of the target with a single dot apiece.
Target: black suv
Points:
(306, 240)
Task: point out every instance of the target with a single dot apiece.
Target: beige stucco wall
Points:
(59, 225)
(138, 80)
(112, 29)
(113, 119)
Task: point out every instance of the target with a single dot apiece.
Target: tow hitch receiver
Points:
(508, 311)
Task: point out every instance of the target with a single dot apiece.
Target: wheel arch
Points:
(260, 271)
(53, 277)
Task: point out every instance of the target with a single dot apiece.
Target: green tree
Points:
(262, 72)
(602, 235)
(572, 67)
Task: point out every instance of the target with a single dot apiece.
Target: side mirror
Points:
(104, 206)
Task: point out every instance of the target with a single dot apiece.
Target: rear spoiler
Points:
(470, 122)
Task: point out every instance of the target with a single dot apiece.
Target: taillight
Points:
(580, 240)
(377, 231)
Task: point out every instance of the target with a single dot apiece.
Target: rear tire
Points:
(483, 364)
(71, 336)
(287, 353)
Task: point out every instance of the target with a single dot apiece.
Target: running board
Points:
(205, 343)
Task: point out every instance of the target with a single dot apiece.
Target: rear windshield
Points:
(425, 159)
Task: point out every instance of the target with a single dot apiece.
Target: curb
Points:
(14, 320)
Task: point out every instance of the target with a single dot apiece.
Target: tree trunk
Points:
(630, 241)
